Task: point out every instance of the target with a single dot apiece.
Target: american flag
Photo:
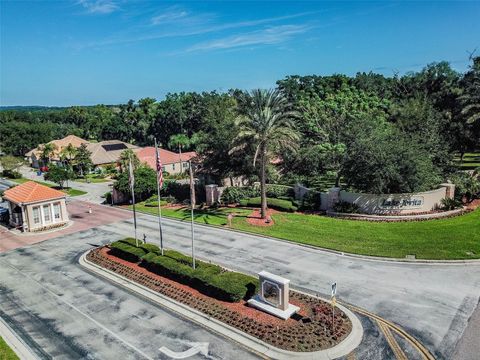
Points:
(159, 167)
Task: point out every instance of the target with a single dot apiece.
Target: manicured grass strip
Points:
(207, 216)
(68, 191)
(5, 352)
(92, 180)
(446, 239)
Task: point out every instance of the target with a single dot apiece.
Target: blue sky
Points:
(84, 52)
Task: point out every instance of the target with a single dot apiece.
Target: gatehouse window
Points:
(46, 213)
(36, 215)
(56, 211)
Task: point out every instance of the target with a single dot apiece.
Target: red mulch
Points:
(310, 330)
(255, 218)
(473, 204)
(240, 307)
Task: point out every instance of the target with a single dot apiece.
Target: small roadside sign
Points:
(334, 301)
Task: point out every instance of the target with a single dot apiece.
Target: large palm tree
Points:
(68, 153)
(48, 151)
(267, 124)
(182, 141)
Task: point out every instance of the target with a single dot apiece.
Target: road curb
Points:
(16, 343)
(342, 349)
(325, 250)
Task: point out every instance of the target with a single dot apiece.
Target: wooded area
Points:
(368, 132)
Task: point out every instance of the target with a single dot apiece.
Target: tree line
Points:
(367, 132)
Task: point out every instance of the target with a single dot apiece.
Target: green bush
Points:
(155, 203)
(346, 207)
(234, 194)
(127, 251)
(311, 201)
(279, 191)
(278, 204)
(207, 278)
(108, 197)
(450, 204)
(466, 186)
(210, 279)
(12, 174)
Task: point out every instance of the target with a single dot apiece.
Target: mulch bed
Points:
(256, 219)
(309, 330)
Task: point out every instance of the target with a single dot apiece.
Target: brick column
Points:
(449, 190)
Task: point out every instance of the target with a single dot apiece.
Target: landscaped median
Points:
(216, 297)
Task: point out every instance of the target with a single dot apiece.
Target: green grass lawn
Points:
(208, 216)
(92, 178)
(5, 352)
(453, 238)
(68, 191)
(470, 161)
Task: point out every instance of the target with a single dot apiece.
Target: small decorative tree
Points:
(59, 174)
(83, 159)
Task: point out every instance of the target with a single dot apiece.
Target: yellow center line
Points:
(399, 354)
(425, 353)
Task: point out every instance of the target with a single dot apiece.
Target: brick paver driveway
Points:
(79, 215)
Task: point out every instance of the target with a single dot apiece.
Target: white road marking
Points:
(81, 312)
(201, 348)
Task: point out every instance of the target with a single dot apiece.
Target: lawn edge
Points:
(16, 344)
(331, 251)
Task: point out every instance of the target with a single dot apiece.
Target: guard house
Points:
(36, 207)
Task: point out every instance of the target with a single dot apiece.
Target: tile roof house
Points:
(33, 206)
(170, 160)
(108, 152)
(34, 155)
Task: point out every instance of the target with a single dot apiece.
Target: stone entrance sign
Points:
(274, 296)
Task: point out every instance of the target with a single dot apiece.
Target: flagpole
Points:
(158, 163)
(192, 205)
(132, 185)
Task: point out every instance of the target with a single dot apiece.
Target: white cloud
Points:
(269, 36)
(99, 6)
(169, 16)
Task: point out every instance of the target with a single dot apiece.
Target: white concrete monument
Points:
(274, 296)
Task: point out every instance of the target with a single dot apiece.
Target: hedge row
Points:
(206, 278)
(278, 204)
(209, 279)
(234, 194)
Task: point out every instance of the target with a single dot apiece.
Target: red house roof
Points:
(147, 155)
(30, 192)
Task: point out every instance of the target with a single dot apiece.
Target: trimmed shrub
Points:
(155, 203)
(311, 201)
(279, 191)
(210, 279)
(146, 247)
(234, 194)
(278, 204)
(127, 252)
(346, 207)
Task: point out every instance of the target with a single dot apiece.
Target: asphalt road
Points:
(67, 313)
(431, 301)
(63, 312)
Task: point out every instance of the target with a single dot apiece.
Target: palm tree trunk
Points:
(180, 152)
(263, 187)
